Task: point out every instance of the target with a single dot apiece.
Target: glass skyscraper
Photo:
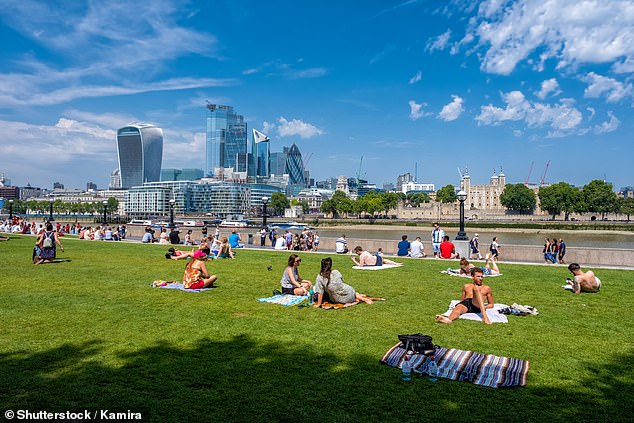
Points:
(226, 138)
(295, 166)
(140, 151)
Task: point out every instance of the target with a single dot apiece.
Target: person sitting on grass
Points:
(582, 281)
(368, 259)
(472, 299)
(45, 251)
(291, 282)
(196, 275)
(176, 254)
(490, 267)
(448, 249)
(330, 283)
(225, 249)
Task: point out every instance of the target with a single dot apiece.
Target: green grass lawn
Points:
(92, 334)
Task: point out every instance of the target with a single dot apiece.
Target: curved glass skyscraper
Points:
(140, 150)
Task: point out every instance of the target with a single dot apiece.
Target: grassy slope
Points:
(91, 334)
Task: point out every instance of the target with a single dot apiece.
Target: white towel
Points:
(385, 266)
(494, 315)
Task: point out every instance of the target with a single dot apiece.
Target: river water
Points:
(592, 239)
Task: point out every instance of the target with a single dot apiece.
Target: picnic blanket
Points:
(330, 306)
(456, 272)
(175, 285)
(494, 315)
(284, 299)
(385, 266)
(481, 369)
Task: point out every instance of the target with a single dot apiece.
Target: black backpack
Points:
(417, 342)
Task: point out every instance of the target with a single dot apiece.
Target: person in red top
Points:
(447, 249)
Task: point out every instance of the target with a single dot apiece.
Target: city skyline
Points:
(412, 86)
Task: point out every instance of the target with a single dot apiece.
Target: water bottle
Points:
(310, 297)
(407, 369)
(432, 369)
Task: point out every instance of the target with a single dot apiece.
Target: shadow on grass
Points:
(242, 380)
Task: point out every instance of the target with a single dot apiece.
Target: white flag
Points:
(259, 136)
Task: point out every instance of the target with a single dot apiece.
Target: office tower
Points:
(277, 163)
(115, 180)
(261, 152)
(170, 174)
(295, 166)
(190, 174)
(140, 149)
(58, 185)
(91, 186)
(226, 138)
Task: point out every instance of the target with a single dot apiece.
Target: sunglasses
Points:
(298, 261)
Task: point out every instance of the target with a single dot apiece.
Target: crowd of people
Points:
(306, 240)
(554, 251)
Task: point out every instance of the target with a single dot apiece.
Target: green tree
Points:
(329, 207)
(305, 206)
(518, 197)
(627, 207)
(560, 198)
(389, 201)
(417, 198)
(279, 203)
(446, 194)
(599, 197)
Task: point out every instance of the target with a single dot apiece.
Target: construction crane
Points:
(359, 172)
(530, 170)
(307, 160)
(541, 181)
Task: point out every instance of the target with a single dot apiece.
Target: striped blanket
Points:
(284, 299)
(480, 369)
(175, 285)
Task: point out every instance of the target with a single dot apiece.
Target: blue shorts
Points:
(436, 247)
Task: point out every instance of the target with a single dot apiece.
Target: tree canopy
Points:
(518, 197)
(560, 198)
(279, 202)
(446, 194)
(598, 197)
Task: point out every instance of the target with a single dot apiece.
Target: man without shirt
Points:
(472, 299)
(583, 281)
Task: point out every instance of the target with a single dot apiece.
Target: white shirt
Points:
(416, 249)
(340, 245)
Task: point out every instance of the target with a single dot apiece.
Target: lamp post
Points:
(50, 210)
(105, 209)
(265, 201)
(462, 235)
(11, 211)
(172, 204)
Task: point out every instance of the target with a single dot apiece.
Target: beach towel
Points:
(494, 315)
(481, 369)
(456, 272)
(334, 306)
(284, 299)
(385, 266)
(175, 285)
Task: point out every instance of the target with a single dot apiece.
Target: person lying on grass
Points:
(176, 254)
(472, 299)
(583, 281)
(196, 275)
(368, 259)
(330, 283)
(291, 282)
(490, 267)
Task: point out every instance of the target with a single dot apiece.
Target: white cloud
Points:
(548, 86)
(287, 128)
(599, 85)
(416, 110)
(561, 116)
(452, 110)
(439, 43)
(607, 126)
(571, 32)
(414, 79)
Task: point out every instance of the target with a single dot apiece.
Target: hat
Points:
(475, 236)
(198, 254)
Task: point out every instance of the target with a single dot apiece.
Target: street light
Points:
(105, 209)
(172, 204)
(11, 211)
(462, 235)
(265, 201)
(50, 210)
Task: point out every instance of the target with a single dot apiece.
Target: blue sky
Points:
(440, 85)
